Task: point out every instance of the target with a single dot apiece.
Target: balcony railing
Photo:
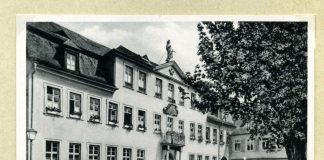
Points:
(173, 138)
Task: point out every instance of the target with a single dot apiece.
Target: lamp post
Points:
(31, 135)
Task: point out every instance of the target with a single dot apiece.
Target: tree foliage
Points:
(257, 73)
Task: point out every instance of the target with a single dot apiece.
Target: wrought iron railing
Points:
(173, 138)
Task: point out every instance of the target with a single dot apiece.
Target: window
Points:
(112, 113)
(170, 124)
(192, 131)
(94, 109)
(128, 117)
(237, 145)
(193, 99)
(94, 152)
(111, 153)
(214, 135)
(140, 154)
(141, 121)
(199, 157)
(142, 82)
(158, 88)
(75, 105)
(127, 154)
(181, 126)
(181, 96)
(70, 62)
(171, 93)
(191, 157)
(250, 145)
(207, 134)
(221, 136)
(74, 151)
(206, 157)
(128, 77)
(200, 136)
(157, 123)
(214, 158)
(53, 100)
(52, 150)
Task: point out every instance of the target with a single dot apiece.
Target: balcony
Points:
(173, 138)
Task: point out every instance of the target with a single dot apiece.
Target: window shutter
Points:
(243, 145)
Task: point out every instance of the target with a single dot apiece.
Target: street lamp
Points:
(31, 135)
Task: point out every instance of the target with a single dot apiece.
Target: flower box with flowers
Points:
(157, 131)
(94, 118)
(76, 113)
(128, 126)
(192, 137)
(221, 142)
(141, 128)
(200, 138)
(208, 141)
(214, 141)
(52, 110)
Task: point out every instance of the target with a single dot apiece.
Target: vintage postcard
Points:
(165, 87)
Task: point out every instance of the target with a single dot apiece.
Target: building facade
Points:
(88, 101)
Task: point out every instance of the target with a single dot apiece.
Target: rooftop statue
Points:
(169, 51)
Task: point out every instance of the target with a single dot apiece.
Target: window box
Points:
(158, 95)
(214, 141)
(141, 128)
(52, 110)
(157, 131)
(208, 141)
(128, 126)
(221, 142)
(142, 90)
(94, 118)
(200, 138)
(128, 85)
(192, 137)
(113, 123)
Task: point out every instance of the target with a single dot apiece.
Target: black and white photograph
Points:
(165, 88)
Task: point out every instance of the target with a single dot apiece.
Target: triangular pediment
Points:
(171, 69)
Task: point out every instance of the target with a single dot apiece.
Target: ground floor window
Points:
(191, 157)
(199, 157)
(237, 145)
(206, 157)
(94, 152)
(111, 153)
(214, 158)
(140, 154)
(127, 154)
(52, 150)
(74, 151)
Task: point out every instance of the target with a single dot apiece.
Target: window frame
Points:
(88, 150)
(80, 150)
(108, 120)
(140, 158)
(207, 134)
(239, 142)
(181, 99)
(191, 156)
(130, 155)
(96, 120)
(156, 94)
(106, 153)
(69, 91)
(171, 128)
(249, 143)
(215, 135)
(51, 152)
(126, 84)
(144, 88)
(53, 113)
(160, 123)
(171, 99)
(199, 156)
(192, 134)
(76, 56)
(128, 126)
(183, 126)
(200, 133)
(142, 128)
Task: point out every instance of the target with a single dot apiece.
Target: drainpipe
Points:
(30, 107)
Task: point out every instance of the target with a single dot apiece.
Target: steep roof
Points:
(75, 38)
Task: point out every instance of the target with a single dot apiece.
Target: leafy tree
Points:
(257, 73)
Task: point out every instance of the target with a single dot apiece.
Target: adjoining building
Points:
(88, 101)
(242, 147)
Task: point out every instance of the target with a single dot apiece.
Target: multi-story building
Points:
(243, 147)
(88, 101)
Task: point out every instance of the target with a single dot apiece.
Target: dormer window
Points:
(70, 62)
